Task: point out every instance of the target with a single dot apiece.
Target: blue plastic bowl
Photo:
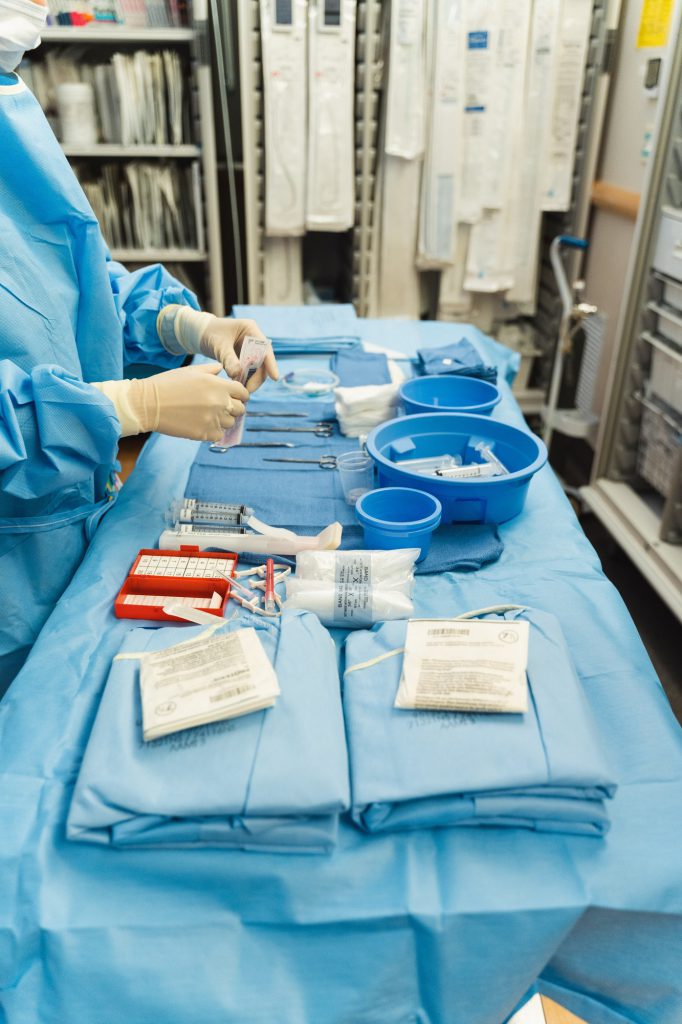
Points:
(491, 500)
(443, 393)
(398, 517)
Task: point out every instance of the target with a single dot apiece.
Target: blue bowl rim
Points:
(499, 481)
(392, 525)
(490, 403)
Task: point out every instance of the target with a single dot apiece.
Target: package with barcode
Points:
(353, 589)
(205, 680)
(464, 665)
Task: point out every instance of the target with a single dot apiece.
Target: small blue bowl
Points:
(443, 393)
(398, 517)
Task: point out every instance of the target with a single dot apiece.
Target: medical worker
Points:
(70, 318)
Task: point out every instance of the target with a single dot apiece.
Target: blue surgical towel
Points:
(460, 358)
(421, 769)
(306, 498)
(292, 329)
(276, 779)
(356, 368)
(462, 547)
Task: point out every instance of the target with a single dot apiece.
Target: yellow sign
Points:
(654, 23)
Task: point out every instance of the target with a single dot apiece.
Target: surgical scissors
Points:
(323, 429)
(324, 461)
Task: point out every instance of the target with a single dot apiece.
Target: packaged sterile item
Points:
(251, 356)
(353, 589)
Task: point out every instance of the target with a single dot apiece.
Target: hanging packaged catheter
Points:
(331, 115)
(251, 356)
(283, 42)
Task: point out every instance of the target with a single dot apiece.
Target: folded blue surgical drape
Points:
(275, 779)
(543, 770)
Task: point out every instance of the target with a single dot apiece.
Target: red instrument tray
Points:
(188, 573)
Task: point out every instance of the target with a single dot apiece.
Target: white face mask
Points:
(21, 22)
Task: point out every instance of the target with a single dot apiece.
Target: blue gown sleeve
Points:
(139, 296)
(55, 430)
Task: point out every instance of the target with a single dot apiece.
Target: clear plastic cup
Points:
(356, 472)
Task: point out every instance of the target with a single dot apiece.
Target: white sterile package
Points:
(207, 679)
(353, 589)
(464, 665)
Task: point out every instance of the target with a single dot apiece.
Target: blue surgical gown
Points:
(68, 315)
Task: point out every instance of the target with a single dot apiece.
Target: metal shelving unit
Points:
(116, 151)
(358, 242)
(158, 255)
(636, 487)
(194, 40)
(116, 34)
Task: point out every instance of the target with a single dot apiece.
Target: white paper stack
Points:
(361, 408)
(464, 665)
(209, 679)
(145, 205)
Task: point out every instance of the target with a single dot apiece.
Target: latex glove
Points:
(189, 402)
(183, 329)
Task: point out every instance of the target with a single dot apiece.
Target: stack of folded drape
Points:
(360, 409)
(460, 358)
(301, 329)
(543, 770)
(275, 779)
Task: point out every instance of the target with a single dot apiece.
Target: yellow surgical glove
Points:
(189, 402)
(182, 329)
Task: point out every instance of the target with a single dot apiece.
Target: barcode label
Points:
(236, 691)
(448, 632)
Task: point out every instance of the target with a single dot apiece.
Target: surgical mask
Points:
(21, 22)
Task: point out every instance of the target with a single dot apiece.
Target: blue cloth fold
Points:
(543, 770)
(294, 329)
(460, 358)
(276, 779)
(357, 368)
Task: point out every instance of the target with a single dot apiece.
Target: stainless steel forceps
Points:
(323, 429)
(324, 461)
(276, 415)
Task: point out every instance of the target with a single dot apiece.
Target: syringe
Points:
(269, 599)
(430, 464)
(485, 450)
(215, 514)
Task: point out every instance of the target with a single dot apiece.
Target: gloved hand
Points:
(183, 329)
(191, 401)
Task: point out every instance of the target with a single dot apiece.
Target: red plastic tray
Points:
(185, 573)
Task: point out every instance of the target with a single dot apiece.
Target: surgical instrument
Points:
(324, 461)
(269, 599)
(322, 429)
(276, 415)
(218, 447)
